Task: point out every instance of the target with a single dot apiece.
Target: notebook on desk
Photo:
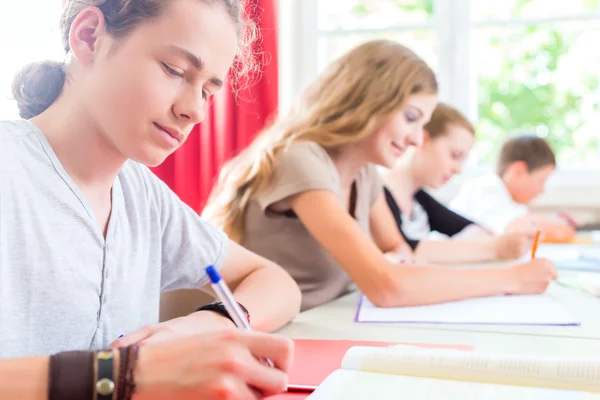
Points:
(499, 310)
(314, 360)
(570, 257)
(394, 373)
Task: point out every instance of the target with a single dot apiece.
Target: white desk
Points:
(335, 320)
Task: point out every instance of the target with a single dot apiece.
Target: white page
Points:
(474, 366)
(521, 310)
(590, 281)
(563, 253)
(353, 385)
(556, 252)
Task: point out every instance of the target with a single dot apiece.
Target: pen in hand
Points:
(535, 243)
(226, 297)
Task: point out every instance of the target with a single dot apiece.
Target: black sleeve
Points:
(398, 217)
(441, 218)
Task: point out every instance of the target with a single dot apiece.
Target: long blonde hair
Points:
(348, 101)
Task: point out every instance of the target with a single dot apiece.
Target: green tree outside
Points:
(539, 84)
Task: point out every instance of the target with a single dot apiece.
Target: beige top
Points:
(282, 238)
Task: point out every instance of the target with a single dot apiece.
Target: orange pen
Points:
(535, 244)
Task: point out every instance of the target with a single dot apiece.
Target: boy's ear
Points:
(517, 169)
(85, 34)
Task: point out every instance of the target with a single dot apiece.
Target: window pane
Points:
(373, 14)
(542, 79)
(26, 36)
(422, 42)
(506, 9)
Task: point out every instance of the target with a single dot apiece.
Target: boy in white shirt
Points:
(498, 201)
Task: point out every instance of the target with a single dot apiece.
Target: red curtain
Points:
(231, 122)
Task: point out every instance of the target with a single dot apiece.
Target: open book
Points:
(414, 373)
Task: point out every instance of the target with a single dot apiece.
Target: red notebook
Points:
(314, 360)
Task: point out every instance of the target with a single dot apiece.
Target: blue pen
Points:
(232, 307)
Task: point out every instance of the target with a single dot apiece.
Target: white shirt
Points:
(65, 286)
(416, 226)
(486, 201)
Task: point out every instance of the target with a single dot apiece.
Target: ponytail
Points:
(37, 85)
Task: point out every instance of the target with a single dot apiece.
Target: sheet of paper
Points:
(353, 385)
(556, 252)
(582, 265)
(561, 253)
(474, 366)
(506, 310)
(590, 281)
(572, 257)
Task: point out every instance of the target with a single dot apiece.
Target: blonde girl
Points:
(306, 194)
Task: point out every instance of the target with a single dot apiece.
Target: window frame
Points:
(299, 64)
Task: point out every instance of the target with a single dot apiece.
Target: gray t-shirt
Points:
(63, 285)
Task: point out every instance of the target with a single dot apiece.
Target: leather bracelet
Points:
(71, 376)
(129, 382)
(123, 354)
(219, 308)
(105, 381)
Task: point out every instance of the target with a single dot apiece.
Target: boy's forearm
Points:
(551, 228)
